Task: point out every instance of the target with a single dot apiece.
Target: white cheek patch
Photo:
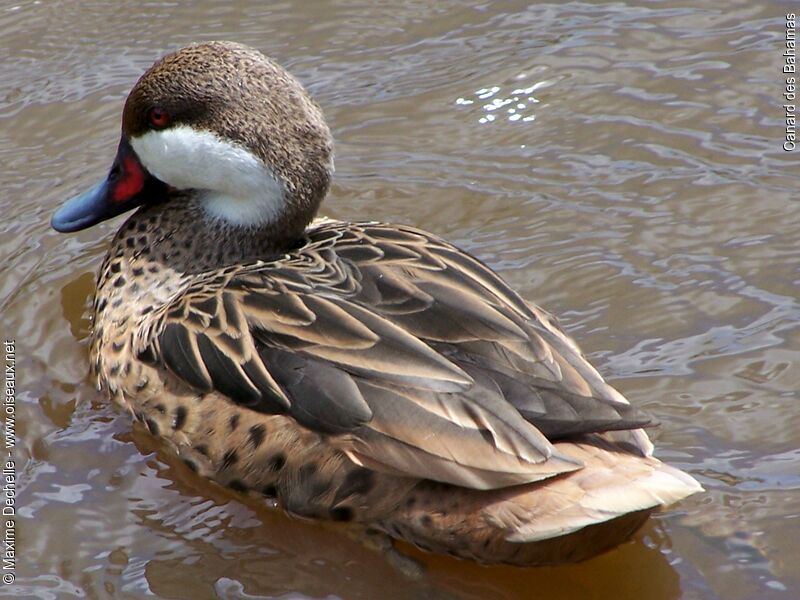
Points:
(236, 185)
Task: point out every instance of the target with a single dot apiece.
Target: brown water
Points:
(621, 165)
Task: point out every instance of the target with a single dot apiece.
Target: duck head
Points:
(227, 128)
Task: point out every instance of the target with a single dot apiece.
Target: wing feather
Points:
(416, 355)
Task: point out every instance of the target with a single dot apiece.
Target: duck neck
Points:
(181, 236)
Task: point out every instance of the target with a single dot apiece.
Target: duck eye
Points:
(158, 117)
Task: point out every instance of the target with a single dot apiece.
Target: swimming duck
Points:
(362, 372)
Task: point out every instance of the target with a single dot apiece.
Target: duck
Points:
(360, 372)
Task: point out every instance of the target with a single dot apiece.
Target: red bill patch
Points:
(130, 182)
